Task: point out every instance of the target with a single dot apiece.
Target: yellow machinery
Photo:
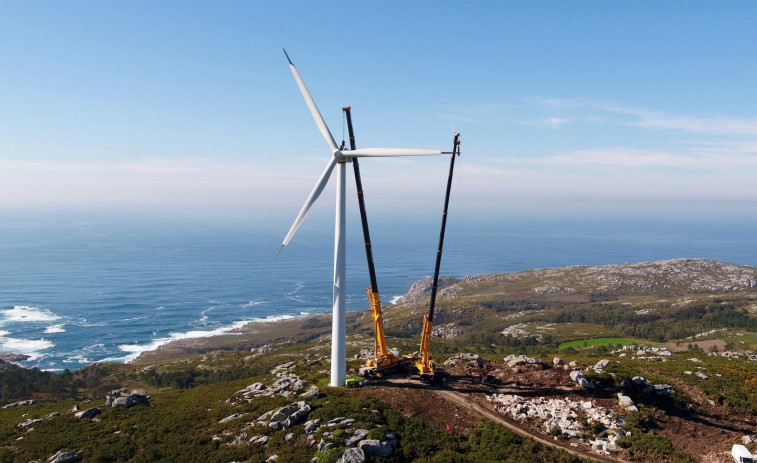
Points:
(425, 365)
(383, 362)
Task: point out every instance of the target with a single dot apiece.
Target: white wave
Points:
(304, 313)
(4, 333)
(55, 329)
(160, 308)
(93, 324)
(25, 313)
(82, 355)
(292, 296)
(30, 347)
(394, 299)
(251, 303)
(135, 318)
(135, 349)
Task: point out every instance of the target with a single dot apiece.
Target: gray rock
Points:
(312, 426)
(352, 456)
(20, 403)
(516, 360)
(557, 361)
(88, 413)
(601, 365)
(323, 446)
(356, 437)
(285, 417)
(312, 392)
(283, 413)
(624, 400)
(473, 359)
(420, 291)
(335, 421)
(638, 380)
(376, 448)
(28, 422)
(747, 440)
(230, 418)
(581, 380)
(701, 376)
(66, 457)
(12, 357)
(664, 389)
(120, 398)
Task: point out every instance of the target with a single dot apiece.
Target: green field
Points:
(581, 343)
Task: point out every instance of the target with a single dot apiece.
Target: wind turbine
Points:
(338, 159)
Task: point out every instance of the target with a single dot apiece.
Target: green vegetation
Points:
(601, 342)
(190, 386)
(645, 443)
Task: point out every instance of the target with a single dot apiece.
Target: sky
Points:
(188, 109)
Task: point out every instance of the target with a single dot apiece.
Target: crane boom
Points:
(425, 365)
(383, 361)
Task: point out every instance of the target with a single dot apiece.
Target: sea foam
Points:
(55, 329)
(134, 350)
(25, 313)
(30, 347)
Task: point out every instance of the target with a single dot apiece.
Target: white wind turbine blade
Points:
(387, 152)
(319, 186)
(311, 105)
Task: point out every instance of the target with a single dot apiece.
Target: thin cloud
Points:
(658, 120)
(619, 156)
(626, 157)
(548, 122)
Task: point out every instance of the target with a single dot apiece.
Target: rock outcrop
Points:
(64, 456)
(122, 398)
(420, 291)
(354, 455)
(88, 413)
(20, 403)
(517, 360)
(285, 417)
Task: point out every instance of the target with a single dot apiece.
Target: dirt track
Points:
(706, 434)
(460, 408)
(461, 400)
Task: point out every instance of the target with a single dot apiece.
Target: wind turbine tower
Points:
(337, 159)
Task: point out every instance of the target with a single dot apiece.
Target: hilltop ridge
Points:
(664, 276)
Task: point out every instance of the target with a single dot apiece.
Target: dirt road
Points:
(515, 427)
(460, 405)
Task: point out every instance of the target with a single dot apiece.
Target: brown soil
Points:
(707, 434)
(421, 402)
(704, 345)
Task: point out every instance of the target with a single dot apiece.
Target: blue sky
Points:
(188, 109)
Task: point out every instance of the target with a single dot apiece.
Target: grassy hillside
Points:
(702, 313)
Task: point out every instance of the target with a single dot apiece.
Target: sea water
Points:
(77, 292)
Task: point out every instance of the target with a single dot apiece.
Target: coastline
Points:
(244, 336)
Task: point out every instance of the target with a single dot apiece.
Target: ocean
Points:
(77, 292)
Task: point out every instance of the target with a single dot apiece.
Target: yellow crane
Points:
(425, 365)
